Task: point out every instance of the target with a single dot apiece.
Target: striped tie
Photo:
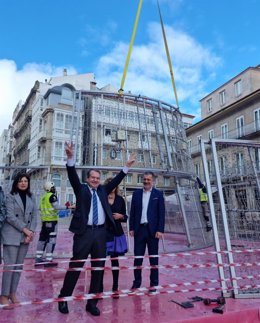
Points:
(95, 208)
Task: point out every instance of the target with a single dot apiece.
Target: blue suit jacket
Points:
(155, 211)
(79, 220)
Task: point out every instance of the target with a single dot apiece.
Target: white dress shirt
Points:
(145, 202)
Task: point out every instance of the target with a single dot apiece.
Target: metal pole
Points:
(183, 212)
(213, 218)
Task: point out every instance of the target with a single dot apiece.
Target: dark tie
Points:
(95, 208)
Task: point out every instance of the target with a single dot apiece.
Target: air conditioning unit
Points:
(121, 135)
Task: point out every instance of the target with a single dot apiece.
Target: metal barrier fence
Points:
(232, 170)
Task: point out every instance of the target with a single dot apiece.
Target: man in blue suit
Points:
(147, 218)
(92, 215)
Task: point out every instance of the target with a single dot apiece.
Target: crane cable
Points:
(130, 48)
(168, 57)
(120, 91)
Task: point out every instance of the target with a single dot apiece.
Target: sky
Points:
(209, 43)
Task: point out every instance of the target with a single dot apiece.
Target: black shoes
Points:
(63, 307)
(115, 291)
(92, 309)
(50, 264)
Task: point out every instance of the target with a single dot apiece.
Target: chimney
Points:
(65, 72)
(93, 85)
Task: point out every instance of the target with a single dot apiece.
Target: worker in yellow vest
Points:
(204, 204)
(49, 208)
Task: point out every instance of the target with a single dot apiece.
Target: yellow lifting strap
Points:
(130, 48)
(168, 56)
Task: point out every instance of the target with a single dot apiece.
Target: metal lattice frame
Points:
(235, 210)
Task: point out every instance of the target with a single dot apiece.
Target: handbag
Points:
(117, 246)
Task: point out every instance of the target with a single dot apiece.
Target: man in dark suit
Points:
(147, 218)
(88, 224)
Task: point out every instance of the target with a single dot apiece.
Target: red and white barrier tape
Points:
(123, 293)
(90, 268)
(179, 254)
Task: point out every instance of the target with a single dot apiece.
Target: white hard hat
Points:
(48, 186)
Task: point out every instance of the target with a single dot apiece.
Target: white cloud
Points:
(148, 71)
(193, 66)
(15, 85)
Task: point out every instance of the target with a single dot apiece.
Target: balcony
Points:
(248, 131)
(42, 136)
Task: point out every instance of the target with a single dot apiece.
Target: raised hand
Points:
(69, 150)
(131, 160)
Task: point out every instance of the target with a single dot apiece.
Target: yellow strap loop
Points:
(130, 48)
(168, 57)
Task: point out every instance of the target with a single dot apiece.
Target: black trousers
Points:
(92, 242)
(142, 239)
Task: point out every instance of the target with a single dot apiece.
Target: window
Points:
(257, 199)
(199, 138)
(211, 134)
(105, 154)
(58, 150)
(56, 178)
(107, 111)
(39, 152)
(153, 159)
(257, 119)
(224, 131)
(197, 170)
(240, 163)
(66, 96)
(257, 159)
(130, 116)
(209, 105)
(223, 163)
(59, 122)
(222, 97)
(241, 197)
(107, 132)
(166, 181)
(189, 144)
(186, 125)
(165, 160)
(68, 123)
(118, 155)
(240, 127)
(40, 125)
(68, 183)
(140, 157)
(128, 178)
(139, 178)
(210, 166)
(238, 88)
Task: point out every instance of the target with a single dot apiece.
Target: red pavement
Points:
(130, 308)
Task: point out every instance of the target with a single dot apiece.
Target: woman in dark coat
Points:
(118, 208)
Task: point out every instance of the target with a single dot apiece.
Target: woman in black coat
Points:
(118, 208)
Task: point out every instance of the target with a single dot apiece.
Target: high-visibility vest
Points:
(47, 211)
(203, 196)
